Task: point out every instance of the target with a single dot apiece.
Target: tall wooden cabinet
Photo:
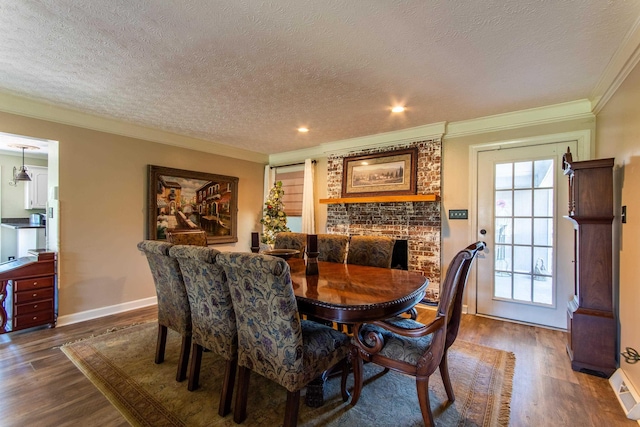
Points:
(592, 326)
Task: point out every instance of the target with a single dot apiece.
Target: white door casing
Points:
(550, 309)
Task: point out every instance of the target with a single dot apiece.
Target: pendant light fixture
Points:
(20, 174)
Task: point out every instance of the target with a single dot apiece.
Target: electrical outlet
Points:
(458, 214)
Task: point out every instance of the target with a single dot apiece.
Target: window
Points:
(292, 184)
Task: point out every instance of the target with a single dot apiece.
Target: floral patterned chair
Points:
(212, 315)
(272, 339)
(173, 305)
(187, 237)
(412, 348)
(289, 240)
(374, 251)
(332, 247)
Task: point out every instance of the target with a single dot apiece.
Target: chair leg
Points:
(161, 343)
(291, 411)
(240, 409)
(444, 373)
(343, 382)
(183, 361)
(224, 407)
(423, 400)
(194, 367)
(356, 364)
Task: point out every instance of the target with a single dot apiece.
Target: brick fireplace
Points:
(417, 222)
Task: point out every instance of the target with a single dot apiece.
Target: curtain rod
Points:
(291, 164)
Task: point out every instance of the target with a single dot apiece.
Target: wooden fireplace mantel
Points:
(382, 199)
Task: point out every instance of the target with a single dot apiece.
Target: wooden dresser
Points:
(28, 292)
(592, 324)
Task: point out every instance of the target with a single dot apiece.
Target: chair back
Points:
(374, 251)
(269, 329)
(289, 240)
(173, 305)
(187, 237)
(468, 255)
(212, 314)
(332, 247)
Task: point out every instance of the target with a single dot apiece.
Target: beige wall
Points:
(618, 135)
(102, 194)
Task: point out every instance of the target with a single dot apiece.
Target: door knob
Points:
(483, 231)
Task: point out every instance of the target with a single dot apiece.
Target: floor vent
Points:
(626, 394)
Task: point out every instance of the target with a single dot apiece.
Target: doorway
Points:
(42, 154)
(521, 196)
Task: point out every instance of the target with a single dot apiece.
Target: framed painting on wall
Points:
(381, 174)
(181, 200)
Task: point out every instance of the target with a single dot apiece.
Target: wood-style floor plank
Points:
(41, 387)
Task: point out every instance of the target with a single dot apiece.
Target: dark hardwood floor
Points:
(41, 387)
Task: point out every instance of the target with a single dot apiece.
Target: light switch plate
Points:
(458, 214)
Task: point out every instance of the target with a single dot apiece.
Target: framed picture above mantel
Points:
(380, 174)
(182, 200)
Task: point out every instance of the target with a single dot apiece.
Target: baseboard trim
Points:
(105, 311)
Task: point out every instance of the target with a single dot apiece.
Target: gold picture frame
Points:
(187, 200)
(388, 173)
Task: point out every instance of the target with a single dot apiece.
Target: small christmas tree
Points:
(273, 218)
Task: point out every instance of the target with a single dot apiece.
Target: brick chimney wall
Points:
(417, 222)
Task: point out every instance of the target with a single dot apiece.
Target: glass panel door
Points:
(518, 208)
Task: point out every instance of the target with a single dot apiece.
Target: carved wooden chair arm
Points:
(377, 340)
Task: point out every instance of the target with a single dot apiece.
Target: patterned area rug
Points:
(120, 364)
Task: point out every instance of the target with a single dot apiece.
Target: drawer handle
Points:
(35, 283)
(35, 317)
(35, 306)
(35, 295)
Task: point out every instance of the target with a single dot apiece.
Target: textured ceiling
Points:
(249, 73)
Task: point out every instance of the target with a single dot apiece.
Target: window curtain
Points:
(308, 202)
(269, 180)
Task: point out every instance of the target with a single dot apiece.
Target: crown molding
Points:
(295, 156)
(622, 63)
(580, 109)
(38, 110)
(418, 133)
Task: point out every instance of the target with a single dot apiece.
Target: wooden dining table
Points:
(349, 294)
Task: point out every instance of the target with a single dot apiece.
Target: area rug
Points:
(120, 364)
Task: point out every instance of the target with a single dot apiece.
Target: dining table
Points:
(350, 294)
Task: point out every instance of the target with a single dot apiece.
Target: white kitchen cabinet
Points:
(18, 239)
(30, 238)
(35, 191)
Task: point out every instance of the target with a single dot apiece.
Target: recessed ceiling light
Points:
(397, 109)
(303, 129)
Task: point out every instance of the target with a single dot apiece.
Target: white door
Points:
(527, 275)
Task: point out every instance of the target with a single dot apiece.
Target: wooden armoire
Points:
(592, 326)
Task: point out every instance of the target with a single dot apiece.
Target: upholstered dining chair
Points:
(374, 251)
(332, 247)
(212, 315)
(187, 237)
(173, 305)
(273, 340)
(290, 240)
(412, 348)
